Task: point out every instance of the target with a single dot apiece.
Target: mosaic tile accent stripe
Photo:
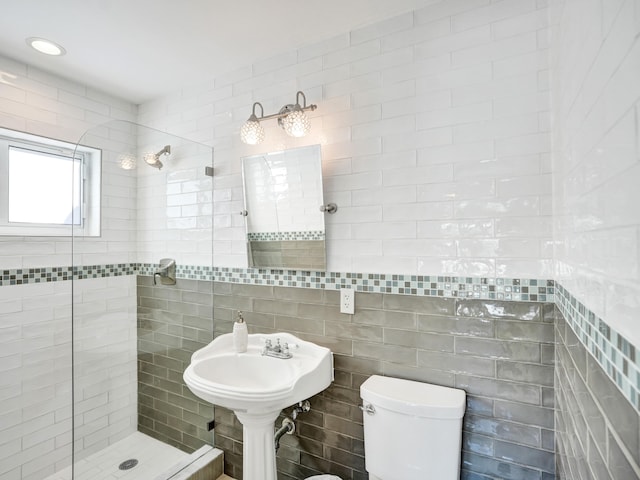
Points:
(99, 271)
(615, 354)
(24, 276)
(533, 290)
(517, 289)
(279, 236)
(191, 272)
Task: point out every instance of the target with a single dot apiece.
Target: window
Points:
(48, 186)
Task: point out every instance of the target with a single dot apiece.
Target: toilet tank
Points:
(412, 430)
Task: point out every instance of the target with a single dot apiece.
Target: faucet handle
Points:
(266, 347)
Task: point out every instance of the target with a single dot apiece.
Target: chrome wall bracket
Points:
(329, 208)
(166, 272)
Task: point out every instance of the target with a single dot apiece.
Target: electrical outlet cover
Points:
(347, 301)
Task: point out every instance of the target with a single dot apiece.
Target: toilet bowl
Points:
(412, 430)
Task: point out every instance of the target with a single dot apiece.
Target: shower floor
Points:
(154, 458)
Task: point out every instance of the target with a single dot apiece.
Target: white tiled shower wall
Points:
(35, 379)
(595, 60)
(35, 319)
(174, 205)
(35, 372)
(43, 104)
(434, 128)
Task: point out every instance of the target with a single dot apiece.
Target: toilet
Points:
(412, 430)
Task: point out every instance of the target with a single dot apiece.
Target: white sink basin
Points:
(257, 387)
(254, 383)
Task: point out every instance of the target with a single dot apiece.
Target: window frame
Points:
(90, 185)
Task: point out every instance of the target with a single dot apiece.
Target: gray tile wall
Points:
(173, 322)
(501, 353)
(597, 429)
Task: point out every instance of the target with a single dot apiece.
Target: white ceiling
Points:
(141, 49)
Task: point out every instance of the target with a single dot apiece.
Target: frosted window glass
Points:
(43, 188)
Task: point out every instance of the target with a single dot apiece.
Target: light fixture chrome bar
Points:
(284, 114)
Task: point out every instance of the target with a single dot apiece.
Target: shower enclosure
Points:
(91, 351)
(133, 332)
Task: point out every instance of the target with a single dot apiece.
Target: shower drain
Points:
(128, 464)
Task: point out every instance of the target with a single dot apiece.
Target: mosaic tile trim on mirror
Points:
(279, 236)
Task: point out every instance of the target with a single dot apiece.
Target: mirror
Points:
(282, 200)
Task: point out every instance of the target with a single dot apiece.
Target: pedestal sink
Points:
(257, 387)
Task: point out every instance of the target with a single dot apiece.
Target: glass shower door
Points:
(133, 417)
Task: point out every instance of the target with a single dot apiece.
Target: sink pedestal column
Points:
(258, 447)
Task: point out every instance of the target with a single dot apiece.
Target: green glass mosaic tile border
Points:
(516, 289)
(190, 272)
(25, 276)
(616, 355)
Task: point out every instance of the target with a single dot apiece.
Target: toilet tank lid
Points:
(413, 398)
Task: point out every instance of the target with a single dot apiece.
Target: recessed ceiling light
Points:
(45, 46)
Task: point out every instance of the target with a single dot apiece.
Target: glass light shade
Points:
(296, 124)
(127, 161)
(151, 158)
(252, 132)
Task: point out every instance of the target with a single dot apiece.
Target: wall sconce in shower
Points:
(290, 117)
(153, 159)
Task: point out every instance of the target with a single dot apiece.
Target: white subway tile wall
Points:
(432, 116)
(174, 205)
(595, 64)
(35, 379)
(105, 353)
(35, 372)
(35, 319)
(43, 104)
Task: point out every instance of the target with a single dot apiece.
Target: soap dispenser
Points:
(240, 334)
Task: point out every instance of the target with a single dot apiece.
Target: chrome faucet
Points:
(277, 350)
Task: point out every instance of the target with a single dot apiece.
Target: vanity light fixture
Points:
(45, 46)
(290, 117)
